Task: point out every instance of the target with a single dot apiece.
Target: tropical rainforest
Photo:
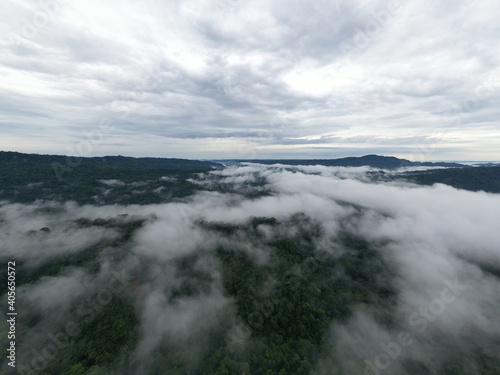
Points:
(172, 267)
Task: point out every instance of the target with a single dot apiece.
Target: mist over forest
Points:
(259, 269)
(228, 187)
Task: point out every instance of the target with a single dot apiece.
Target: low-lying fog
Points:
(442, 244)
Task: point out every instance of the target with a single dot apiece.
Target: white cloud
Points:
(430, 238)
(225, 69)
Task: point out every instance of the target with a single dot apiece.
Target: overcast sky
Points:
(251, 79)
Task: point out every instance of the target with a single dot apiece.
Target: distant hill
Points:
(117, 162)
(473, 178)
(27, 177)
(489, 164)
(375, 161)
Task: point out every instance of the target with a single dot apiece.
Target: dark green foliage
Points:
(472, 178)
(282, 307)
(87, 257)
(194, 281)
(103, 338)
(126, 226)
(112, 331)
(285, 305)
(251, 189)
(375, 161)
(27, 177)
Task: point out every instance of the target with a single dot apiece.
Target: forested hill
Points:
(375, 161)
(27, 177)
(113, 162)
(473, 178)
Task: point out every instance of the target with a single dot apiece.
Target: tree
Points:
(77, 369)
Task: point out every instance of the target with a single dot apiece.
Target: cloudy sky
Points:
(251, 79)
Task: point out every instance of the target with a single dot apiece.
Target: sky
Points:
(251, 79)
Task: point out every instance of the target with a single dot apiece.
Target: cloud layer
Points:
(261, 79)
(441, 245)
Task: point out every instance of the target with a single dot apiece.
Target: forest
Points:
(253, 270)
(28, 177)
(125, 180)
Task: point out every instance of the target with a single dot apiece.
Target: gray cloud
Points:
(224, 70)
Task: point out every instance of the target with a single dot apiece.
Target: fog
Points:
(441, 244)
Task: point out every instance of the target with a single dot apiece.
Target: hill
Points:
(375, 161)
(27, 177)
(473, 178)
